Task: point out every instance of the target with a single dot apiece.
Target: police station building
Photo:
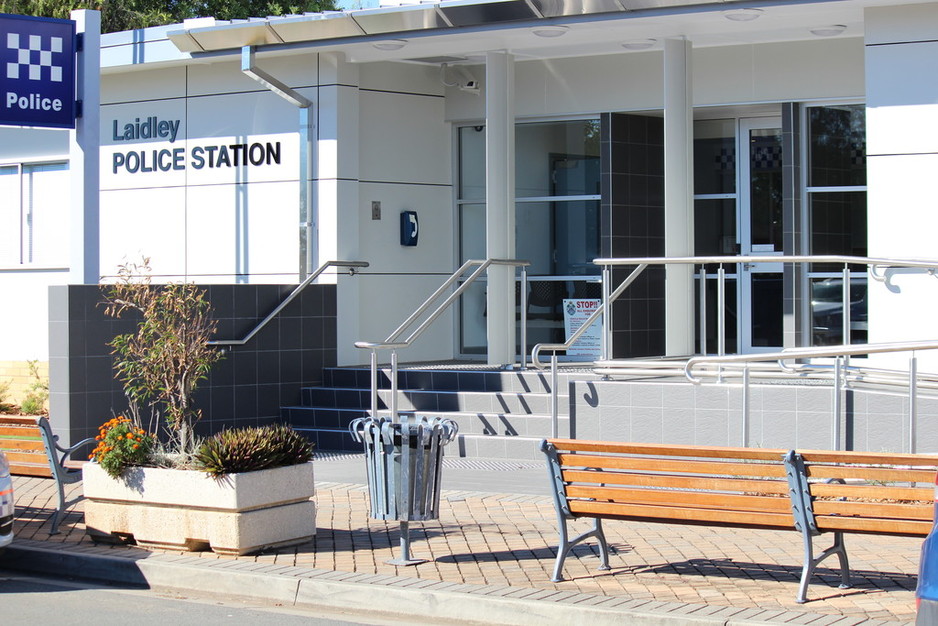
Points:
(243, 155)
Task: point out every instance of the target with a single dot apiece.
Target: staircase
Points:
(501, 414)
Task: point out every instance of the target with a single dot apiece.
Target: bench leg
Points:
(59, 512)
(811, 563)
(565, 546)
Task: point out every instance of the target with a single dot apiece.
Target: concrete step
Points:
(466, 446)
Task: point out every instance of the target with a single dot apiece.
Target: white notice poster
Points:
(588, 346)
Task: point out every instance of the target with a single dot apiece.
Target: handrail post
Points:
(607, 314)
(394, 416)
(703, 309)
(374, 383)
(554, 399)
(846, 309)
(523, 291)
(913, 402)
(721, 318)
(746, 391)
(835, 418)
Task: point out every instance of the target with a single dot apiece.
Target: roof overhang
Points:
(465, 28)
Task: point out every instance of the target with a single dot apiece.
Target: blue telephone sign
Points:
(37, 71)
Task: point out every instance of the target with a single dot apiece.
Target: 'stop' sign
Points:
(37, 71)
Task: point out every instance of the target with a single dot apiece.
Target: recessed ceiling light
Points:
(742, 15)
(639, 44)
(550, 31)
(828, 31)
(390, 44)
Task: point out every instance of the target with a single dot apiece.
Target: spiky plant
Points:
(251, 449)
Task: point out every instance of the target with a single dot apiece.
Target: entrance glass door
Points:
(760, 220)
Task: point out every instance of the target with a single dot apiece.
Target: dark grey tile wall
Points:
(633, 226)
(796, 329)
(247, 387)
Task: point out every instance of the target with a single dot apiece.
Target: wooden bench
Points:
(810, 491)
(33, 450)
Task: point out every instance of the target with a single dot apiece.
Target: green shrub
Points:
(251, 449)
(35, 401)
(121, 444)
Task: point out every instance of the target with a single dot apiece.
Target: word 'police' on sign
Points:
(37, 71)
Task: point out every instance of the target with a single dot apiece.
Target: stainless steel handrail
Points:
(351, 265)
(873, 263)
(808, 353)
(395, 343)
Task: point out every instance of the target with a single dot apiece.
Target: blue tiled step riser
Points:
(408, 400)
(525, 381)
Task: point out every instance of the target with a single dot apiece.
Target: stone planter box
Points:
(190, 510)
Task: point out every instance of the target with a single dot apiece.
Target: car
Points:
(926, 593)
(6, 503)
(828, 316)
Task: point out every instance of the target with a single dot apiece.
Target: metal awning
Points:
(402, 20)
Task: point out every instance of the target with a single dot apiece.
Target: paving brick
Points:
(504, 545)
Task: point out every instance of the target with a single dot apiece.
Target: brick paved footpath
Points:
(507, 543)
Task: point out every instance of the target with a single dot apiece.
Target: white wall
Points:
(405, 164)
(902, 158)
(25, 316)
(211, 224)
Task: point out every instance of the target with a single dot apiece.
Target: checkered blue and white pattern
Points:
(33, 59)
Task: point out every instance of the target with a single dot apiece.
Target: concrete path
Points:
(490, 557)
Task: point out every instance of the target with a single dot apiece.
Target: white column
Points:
(84, 148)
(336, 174)
(678, 195)
(500, 204)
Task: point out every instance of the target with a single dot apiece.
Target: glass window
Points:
(557, 159)
(34, 201)
(837, 219)
(838, 225)
(557, 217)
(837, 146)
(472, 163)
(715, 227)
(10, 214)
(714, 157)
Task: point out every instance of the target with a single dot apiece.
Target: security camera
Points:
(465, 81)
(471, 85)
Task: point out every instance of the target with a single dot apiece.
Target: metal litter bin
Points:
(404, 461)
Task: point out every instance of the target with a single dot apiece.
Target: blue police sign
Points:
(37, 71)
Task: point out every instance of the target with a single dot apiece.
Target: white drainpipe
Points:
(307, 207)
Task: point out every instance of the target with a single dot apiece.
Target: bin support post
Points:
(404, 558)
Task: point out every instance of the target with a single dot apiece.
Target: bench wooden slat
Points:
(30, 469)
(682, 515)
(873, 526)
(909, 510)
(20, 444)
(882, 492)
(873, 458)
(882, 474)
(699, 499)
(26, 457)
(678, 482)
(763, 454)
(19, 431)
(19, 420)
(729, 468)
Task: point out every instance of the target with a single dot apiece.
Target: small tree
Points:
(162, 363)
